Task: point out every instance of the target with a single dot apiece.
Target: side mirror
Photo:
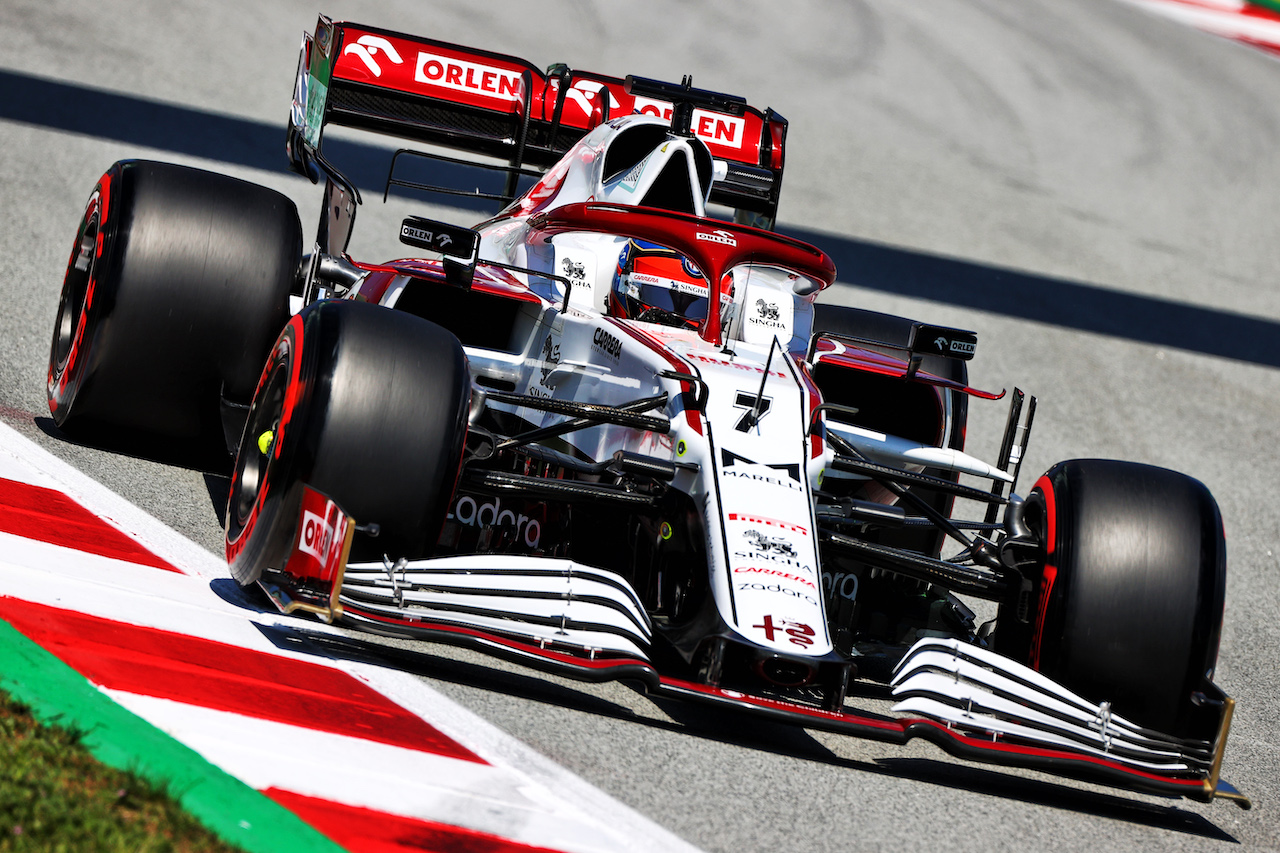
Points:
(939, 340)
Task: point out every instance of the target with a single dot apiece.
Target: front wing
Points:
(587, 623)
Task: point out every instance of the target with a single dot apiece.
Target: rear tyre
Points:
(364, 404)
(1130, 603)
(177, 285)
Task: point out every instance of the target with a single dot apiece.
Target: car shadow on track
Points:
(741, 730)
(1052, 301)
(177, 453)
(187, 131)
(1034, 791)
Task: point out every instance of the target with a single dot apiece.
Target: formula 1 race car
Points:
(608, 432)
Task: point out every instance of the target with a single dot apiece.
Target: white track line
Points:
(1223, 19)
(60, 577)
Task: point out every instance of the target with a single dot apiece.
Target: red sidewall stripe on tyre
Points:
(1050, 575)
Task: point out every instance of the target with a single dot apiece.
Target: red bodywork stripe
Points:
(815, 400)
(222, 677)
(692, 416)
(1014, 751)
(47, 515)
(362, 830)
(491, 280)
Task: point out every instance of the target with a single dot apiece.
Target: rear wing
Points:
(491, 104)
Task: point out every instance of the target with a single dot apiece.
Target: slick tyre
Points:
(364, 404)
(177, 285)
(1129, 607)
(893, 407)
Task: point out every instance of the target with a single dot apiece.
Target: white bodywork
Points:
(753, 484)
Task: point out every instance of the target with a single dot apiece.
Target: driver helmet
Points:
(654, 284)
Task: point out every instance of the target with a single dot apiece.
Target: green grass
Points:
(55, 796)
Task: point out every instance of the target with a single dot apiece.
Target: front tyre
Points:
(364, 404)
(1130, 603)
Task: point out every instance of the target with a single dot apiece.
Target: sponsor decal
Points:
(766, 543)
(773, 549)
(739, 474)
(713, 127)
(945, 345)
(463, 76)
(751, 414)
(737, 365)
(578, 267)
(728, 458)
(765, 556)
(799, 633)
(550, 358)
(748, 586)
(504, 229)
(491, 514)
(546, 188)
(366, 49)
(769, 571)
(954, 342)
(766, 315)
(575, 271)
(768, 522)
(607, 344)
(322, 533)
(424, 236)
(840, 584)
(585, 94)
(689, 287)
(724, 238)
(439, 237)
(316, 536)
(632, 179)
(726, 130)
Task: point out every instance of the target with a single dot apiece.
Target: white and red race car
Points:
(608, 432)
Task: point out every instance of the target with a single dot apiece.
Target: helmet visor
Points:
(683, 298)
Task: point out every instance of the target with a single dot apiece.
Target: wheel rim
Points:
(74, 290)
(258, 447)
